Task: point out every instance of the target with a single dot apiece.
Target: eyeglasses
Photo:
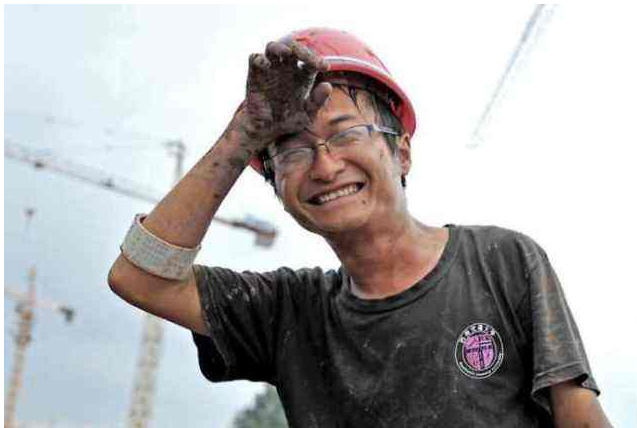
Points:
(296, 153)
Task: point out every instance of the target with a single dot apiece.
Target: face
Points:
(350, 190)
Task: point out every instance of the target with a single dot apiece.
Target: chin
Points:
(339, 222)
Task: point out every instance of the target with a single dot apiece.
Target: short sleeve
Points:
(558, 351)
(243, 314)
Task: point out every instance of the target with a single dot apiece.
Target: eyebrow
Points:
(342, 118)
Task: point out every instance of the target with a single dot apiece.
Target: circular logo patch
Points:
(479, 351)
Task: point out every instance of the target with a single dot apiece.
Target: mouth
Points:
(348, 190)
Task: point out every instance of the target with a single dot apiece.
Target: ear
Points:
(403, 153)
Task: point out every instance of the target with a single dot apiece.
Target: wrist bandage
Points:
(154, 255)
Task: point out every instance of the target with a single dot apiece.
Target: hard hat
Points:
(343, 52)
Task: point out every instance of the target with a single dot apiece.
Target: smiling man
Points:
(420, 326)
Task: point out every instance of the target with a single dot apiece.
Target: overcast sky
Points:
(104, 86)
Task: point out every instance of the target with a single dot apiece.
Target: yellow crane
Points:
(25, 309)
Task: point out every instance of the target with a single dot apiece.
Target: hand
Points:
(279, 96)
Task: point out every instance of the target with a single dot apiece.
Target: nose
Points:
(326, 166)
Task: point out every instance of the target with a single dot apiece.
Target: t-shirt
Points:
(473, 343)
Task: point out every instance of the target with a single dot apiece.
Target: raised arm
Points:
(276, 103)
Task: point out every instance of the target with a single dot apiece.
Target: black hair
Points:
(385, 115)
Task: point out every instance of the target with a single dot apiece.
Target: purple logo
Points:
(479, 351)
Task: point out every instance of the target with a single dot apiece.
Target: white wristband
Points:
(154, 255)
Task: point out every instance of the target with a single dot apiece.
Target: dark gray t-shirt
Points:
(474, 343)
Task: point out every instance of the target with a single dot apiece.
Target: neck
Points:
(389, 260)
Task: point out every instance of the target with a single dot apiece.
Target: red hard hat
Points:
(344, 52)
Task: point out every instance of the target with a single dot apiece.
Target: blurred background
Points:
(526, 120)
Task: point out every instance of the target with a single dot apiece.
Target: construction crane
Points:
(534, 27)
(140, 411)
(265, 233)
(27, 303)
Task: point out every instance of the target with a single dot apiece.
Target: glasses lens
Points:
(299, 154)
(356, 134)
(292, 159)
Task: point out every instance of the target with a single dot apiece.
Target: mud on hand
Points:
(279, 95)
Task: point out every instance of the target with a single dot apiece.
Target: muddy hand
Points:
(279, 96)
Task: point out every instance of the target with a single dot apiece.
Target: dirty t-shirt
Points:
(475, 343)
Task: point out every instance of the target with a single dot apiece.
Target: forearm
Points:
(183, 216)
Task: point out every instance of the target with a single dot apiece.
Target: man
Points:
(420, 326)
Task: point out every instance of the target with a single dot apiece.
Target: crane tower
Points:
(27, 302)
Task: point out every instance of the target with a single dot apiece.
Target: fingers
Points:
(285, 53)
(304, 54)
(258, 62)
(318, 97)
(278, 52)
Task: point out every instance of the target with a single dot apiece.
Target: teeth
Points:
(337, 194)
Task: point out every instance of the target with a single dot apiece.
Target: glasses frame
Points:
(268, 162)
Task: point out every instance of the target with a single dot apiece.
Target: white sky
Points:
(556, 163)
